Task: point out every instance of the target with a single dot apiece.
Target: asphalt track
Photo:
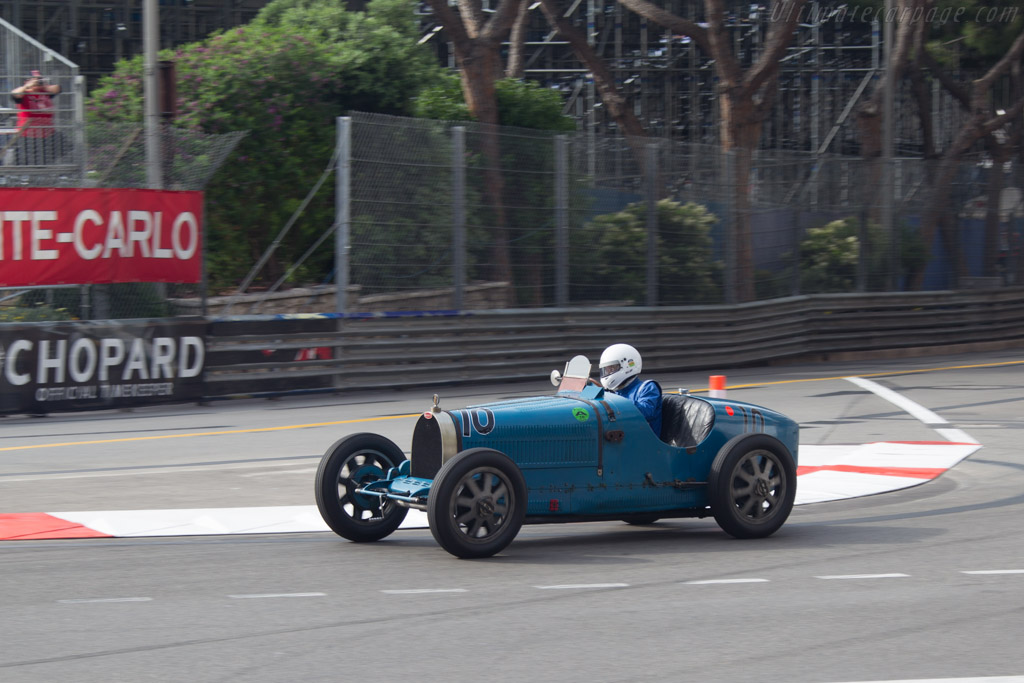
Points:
(925, 582)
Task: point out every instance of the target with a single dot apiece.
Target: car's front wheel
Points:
(477, 503)
(350, 463)
(752, 485)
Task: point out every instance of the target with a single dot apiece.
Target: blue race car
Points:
(583, 454)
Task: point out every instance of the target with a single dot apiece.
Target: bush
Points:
(39, 312)
(610, 256)
(829, 256)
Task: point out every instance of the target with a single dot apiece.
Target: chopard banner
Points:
(54, 236)
(50, 367)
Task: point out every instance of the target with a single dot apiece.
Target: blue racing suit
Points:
(646, 396)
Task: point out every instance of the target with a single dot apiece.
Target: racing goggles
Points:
(610, 369)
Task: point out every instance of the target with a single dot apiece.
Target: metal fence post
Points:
(151, 94)
(651, 171)
(729, 223)
(458, 217)
(888, 147)
(342, 208)
(561, 221)
(78, 114)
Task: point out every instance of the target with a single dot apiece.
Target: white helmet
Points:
(619, 363)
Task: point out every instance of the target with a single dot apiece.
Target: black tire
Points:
(349, 463)
(641, 519)
(477, 503)
(752, 486)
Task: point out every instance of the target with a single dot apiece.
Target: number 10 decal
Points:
(754, 420)
(481, 427)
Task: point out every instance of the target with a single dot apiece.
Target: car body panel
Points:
(585, 454)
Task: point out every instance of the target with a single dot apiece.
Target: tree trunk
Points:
(741, 133)
(993, 213)
(868, 114)
(478, 81)
(604, 81)
(477, 43)
(976, 98)
(516, 41)
(745, 97)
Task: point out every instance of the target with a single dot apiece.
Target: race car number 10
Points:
(472, 417)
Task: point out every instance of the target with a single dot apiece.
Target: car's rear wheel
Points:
(350, 463)
(477, 503)
(752, 485)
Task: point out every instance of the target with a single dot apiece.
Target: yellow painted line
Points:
(402, 417)
(871, 374)
(191, 434)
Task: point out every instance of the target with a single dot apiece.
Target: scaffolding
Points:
(831, 64)
(95, 34)
(57, 157)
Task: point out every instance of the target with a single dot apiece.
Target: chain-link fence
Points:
(464, 216)
(578, 220)
(44, 142)
(114, 156)
(40, 114)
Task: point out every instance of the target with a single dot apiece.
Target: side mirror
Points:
(556, 377)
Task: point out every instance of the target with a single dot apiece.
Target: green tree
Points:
(523, 104)
(284, 77)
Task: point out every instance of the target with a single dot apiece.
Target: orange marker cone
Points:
(716, 385)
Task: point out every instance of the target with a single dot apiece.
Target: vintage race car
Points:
(583, 454)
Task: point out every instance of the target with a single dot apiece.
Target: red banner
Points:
(51, 236)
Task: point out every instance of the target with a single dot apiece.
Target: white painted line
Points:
(716, 581)
(976, 679)
(257, 596)
(82, 601)
(956, 436)
(416, 591)
(571, 586)
(995, 571)
(864, 576)
(916, 410)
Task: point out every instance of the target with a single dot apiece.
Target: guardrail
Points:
(264, 354)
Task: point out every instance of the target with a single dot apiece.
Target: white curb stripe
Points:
(417, 591)
(863, 576)
(82, 601)
(723, 581)
(257, 596)
(570, 586)
(979, 679)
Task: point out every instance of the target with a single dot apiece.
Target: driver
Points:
(620, 372)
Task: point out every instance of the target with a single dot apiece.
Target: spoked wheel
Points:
(477, 503)
(752, 486)
(350, 463)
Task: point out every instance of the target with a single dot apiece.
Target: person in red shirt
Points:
(38, 139)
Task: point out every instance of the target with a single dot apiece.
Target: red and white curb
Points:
(838, 472)
(825, 473)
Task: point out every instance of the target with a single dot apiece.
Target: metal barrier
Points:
(255, 355)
